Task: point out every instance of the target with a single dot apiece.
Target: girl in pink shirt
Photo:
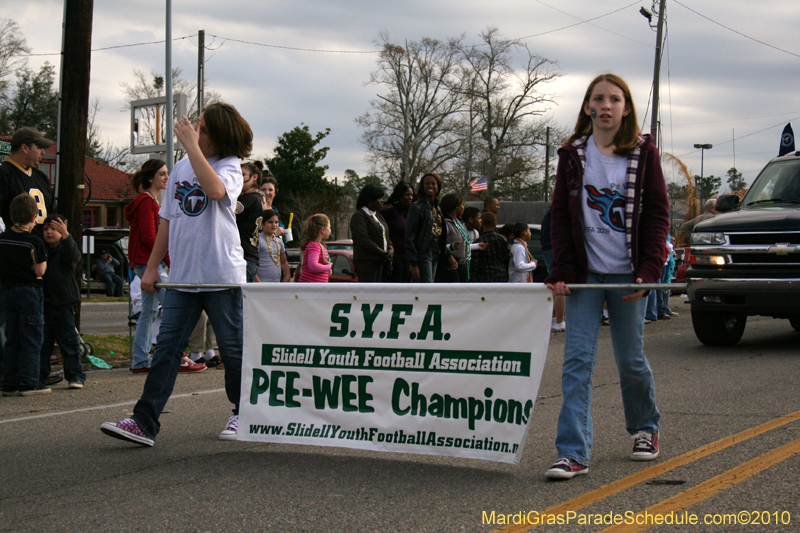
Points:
(316, 263)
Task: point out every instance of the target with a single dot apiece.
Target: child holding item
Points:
(198, 224)
(610, 217)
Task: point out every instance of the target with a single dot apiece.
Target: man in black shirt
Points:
(18, 174)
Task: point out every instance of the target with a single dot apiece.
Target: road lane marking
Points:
(713, 486)
(99, 407)
(614, 487)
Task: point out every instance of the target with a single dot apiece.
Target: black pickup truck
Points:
(746, 260)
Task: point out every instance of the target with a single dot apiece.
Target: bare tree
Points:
(505, 100)
(151, 128)
(13, 50)
(410, 128)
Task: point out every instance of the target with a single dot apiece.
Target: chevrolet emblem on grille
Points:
(782, 249)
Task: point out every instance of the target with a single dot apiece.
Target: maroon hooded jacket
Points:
(649, 223)
(142, 215)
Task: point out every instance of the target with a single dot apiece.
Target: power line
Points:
(743, 136)
(295, 48)
(578, 23)
(736, 32)
(588, 22)
(111, 47)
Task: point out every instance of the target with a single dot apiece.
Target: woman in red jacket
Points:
(142, 215)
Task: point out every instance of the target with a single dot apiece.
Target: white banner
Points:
(444, 369)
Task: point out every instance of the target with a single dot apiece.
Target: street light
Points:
(702, 148)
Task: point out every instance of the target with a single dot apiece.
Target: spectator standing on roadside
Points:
(372, 245)
(19, 174)
(269, 188)
(472, 222)
(198, 225)
(424, 235)
(491, 263)
(60, 295)
(395, 213)
(249, 216)
(491, 205)
(273, 267)
(23, 265)
(610, 216)
(316, 261)
(143, 218)
(453, 257)
(105, 271)
(522, 264)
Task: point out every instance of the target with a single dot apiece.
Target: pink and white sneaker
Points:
(128, 430)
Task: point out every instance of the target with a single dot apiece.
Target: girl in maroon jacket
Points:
(142, 215)
(610, 219)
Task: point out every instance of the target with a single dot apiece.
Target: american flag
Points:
(479, 184)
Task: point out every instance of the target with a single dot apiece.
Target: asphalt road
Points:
(60, 473)
(104, 318)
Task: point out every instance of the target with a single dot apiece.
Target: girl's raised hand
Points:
(187, 133)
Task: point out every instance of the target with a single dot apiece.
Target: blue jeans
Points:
(179, 315)
(663, 296)
(59, 326)
(144, 324)
(428, 261)
(252, 270)
(23, 307)
(584, 309)
(113, 283)
(651, 306)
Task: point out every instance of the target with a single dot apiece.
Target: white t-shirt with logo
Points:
(204, 242)
(603, 209)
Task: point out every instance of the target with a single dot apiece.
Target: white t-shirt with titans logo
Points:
(603, 208)
(203, 239)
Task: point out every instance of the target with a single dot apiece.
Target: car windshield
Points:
(778, 183)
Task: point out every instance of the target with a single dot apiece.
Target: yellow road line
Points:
(614, 487)
(709, 488)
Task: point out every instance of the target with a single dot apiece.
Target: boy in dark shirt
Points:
(490, 264)
(22, 268)
(60, 294)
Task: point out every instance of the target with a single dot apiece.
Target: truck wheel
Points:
(718, 328)
(795, 322)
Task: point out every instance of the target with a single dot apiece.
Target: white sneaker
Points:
(231, 429)
(562, 326)
(552, 322)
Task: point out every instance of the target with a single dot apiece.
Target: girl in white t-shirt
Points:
(521, 265)
(198, 225)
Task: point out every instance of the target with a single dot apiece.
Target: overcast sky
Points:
(717, 83)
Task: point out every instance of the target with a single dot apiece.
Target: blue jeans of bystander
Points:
(59, 326)
(428, 261)
(144, 324)
(179, 315)
(584, 309)
(24, 331)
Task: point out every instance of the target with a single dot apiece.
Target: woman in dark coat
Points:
(395, 212)
(372, 246)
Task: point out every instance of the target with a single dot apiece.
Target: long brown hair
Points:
(627, 138)
(144, 177)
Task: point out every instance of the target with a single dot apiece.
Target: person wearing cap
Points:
(19, 174)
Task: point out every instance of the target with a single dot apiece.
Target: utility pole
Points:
(76, 63)
(662, 11)
(547, 164)
(201, 69)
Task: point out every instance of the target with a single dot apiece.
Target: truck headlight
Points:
(708, 238)
(713, 260)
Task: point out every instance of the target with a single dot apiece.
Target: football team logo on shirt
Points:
(191, 198)
(611, 205)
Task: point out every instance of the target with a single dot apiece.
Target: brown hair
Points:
(312, 227)
(627, 138)
(144, 177)
(229, 132)
(269, 179)
(23, 209)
